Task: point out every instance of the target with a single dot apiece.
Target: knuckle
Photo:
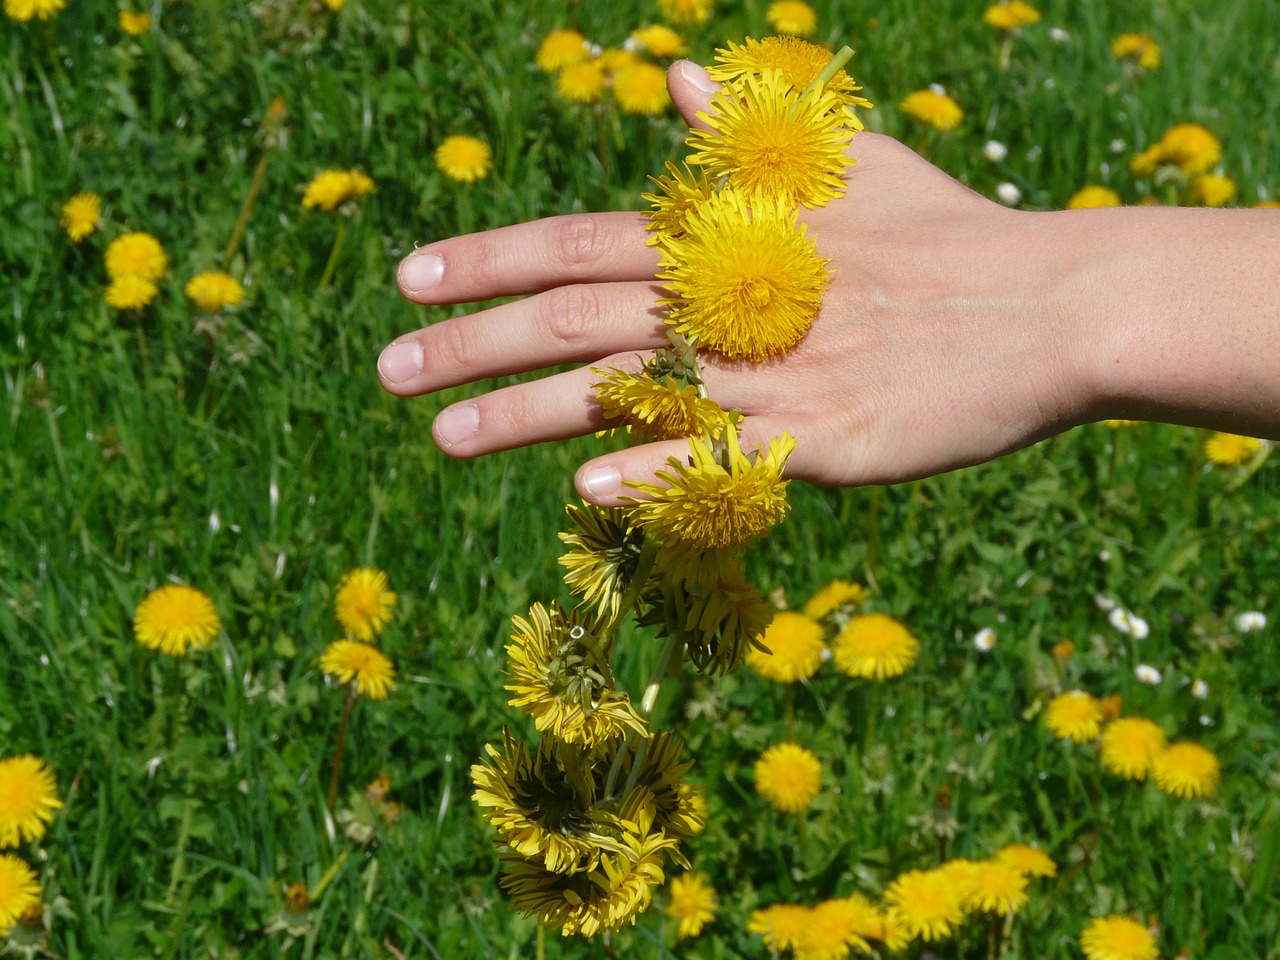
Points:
(487, 269)
(570, 313)
(454, 348)
(575, 242)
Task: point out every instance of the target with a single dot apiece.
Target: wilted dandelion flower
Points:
(781, 925)
(136, 254)
(795, 648)
(1230, 449)
(1028, 859)
(176, 619)
(582, 82)
(660, 40)
(330, 189)
(603, 555)
(135, 23)
(788, 777)
(25, 10)
(724, 614)
(875, 646)
(80, 215)
(1010, 15)
(1130, 745)
(363, 602)
(793, 17)
(214, 290)
(692, 902)
(351, 661)
(800, 63)
(686, 11)
(642, 89)
(19, 890)
(834, 929)
(1093, 196)
(1140, 48)
(834, 596)
(464, 159)
(1250, 620)
(130, 292)
(1187, 769)
(1117, 938)
(562, 48)
(928, 904)
(1074, 715)
(996, 887)
(657, 408)
(28, 798)
(933, 108)
(1188, 146)
(1213, 189)
(679, 190)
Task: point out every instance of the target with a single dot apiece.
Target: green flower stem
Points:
(834, 66)
(334, 253)
(246, 208)
(314, 893)
(340, 747)
(644, 566)
(1006, 52)
(647, 702)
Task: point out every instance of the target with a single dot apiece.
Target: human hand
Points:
(946, 336)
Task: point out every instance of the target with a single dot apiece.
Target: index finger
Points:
(529, 258)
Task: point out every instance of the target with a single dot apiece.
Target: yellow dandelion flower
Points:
(996, 887)
(747, 282)
(642, 89)
(351, 661)
(130, 292)
(886, 927)
(709, 504)
(559, 675)
(213, 290)
(1140, 48)
(795, 648)
(788, 777)
(660, 40)
(19, 890)
(927, 903)
(1213, 189)
(334, 5)
(80, 215)
(693, 902)
(1117, 424)
(1230, 449)
(1130, 745)
(603, 556)
(26, 10)
(657, 409)
(135, 24)
(1028, 859)
(1062, 650)
(363, 602)
(1093, 196)
(330, 189)
(1074, 715)
(723, 614)
(833, 929)
(137, 255)
(677, 194)
(614, 60)
(835, 595)
(582, 82)
(1011, 15)
(793, 17)
(686, 11)
(1186, 769)
(799, 61)
(562, 48)
(1117, 938)
(875, 646)
(28, 798)
(1188, 146)
(933, 108)
(781, 925)
(176, 619)
(464, 159)
(765, 135)
(1267, 205)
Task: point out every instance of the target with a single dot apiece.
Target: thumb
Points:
(691, 88)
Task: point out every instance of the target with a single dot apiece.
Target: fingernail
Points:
(698, 77)
(457, 424)
(420, 271)
(400, 361)
(601, 482)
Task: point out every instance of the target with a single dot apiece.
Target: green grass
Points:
(194, 789)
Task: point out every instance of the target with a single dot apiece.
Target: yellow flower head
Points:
(582, 82)
(835, 929)
(130, 292)
(136, 255)
(1213, 189)
(464, 159)
(1130, 745)
(602, 557)
(799, 61)
(782, 925)
(1188, 146)
(875, 646)
(788, 777)
(25, 10)
(19, 890)
(661, 41)
(723, 614)
(1140, 48)
(1074, 715)
(767, 136)
(363, 602)
(80, 215)
(677, 194)
(693, 902)
(834, 596)
(642, 89)
(746, 280)
(1030, 860)
(928, 903)
(657, 409)
(996, 887)
(213, 290)
(686, 11)
(1187, 769)
(1093, 196)
(711, 504)
(348, 661)
(330, 189)
(1230, 449)
(562, 48)
(28, 798)
(135, 24)
(1117, 938)
(793, 17)
(613, 60)
(1010, 15)
(795, 649)
(176, 619)
(1062, 650)
(933, 108)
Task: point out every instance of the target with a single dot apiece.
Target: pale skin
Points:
(954, 330)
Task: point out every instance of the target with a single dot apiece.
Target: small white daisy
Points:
(1147, 674)
(995, 151)
(984, 640)
(1252, 620)
(1199, 689)
(1009, 194)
